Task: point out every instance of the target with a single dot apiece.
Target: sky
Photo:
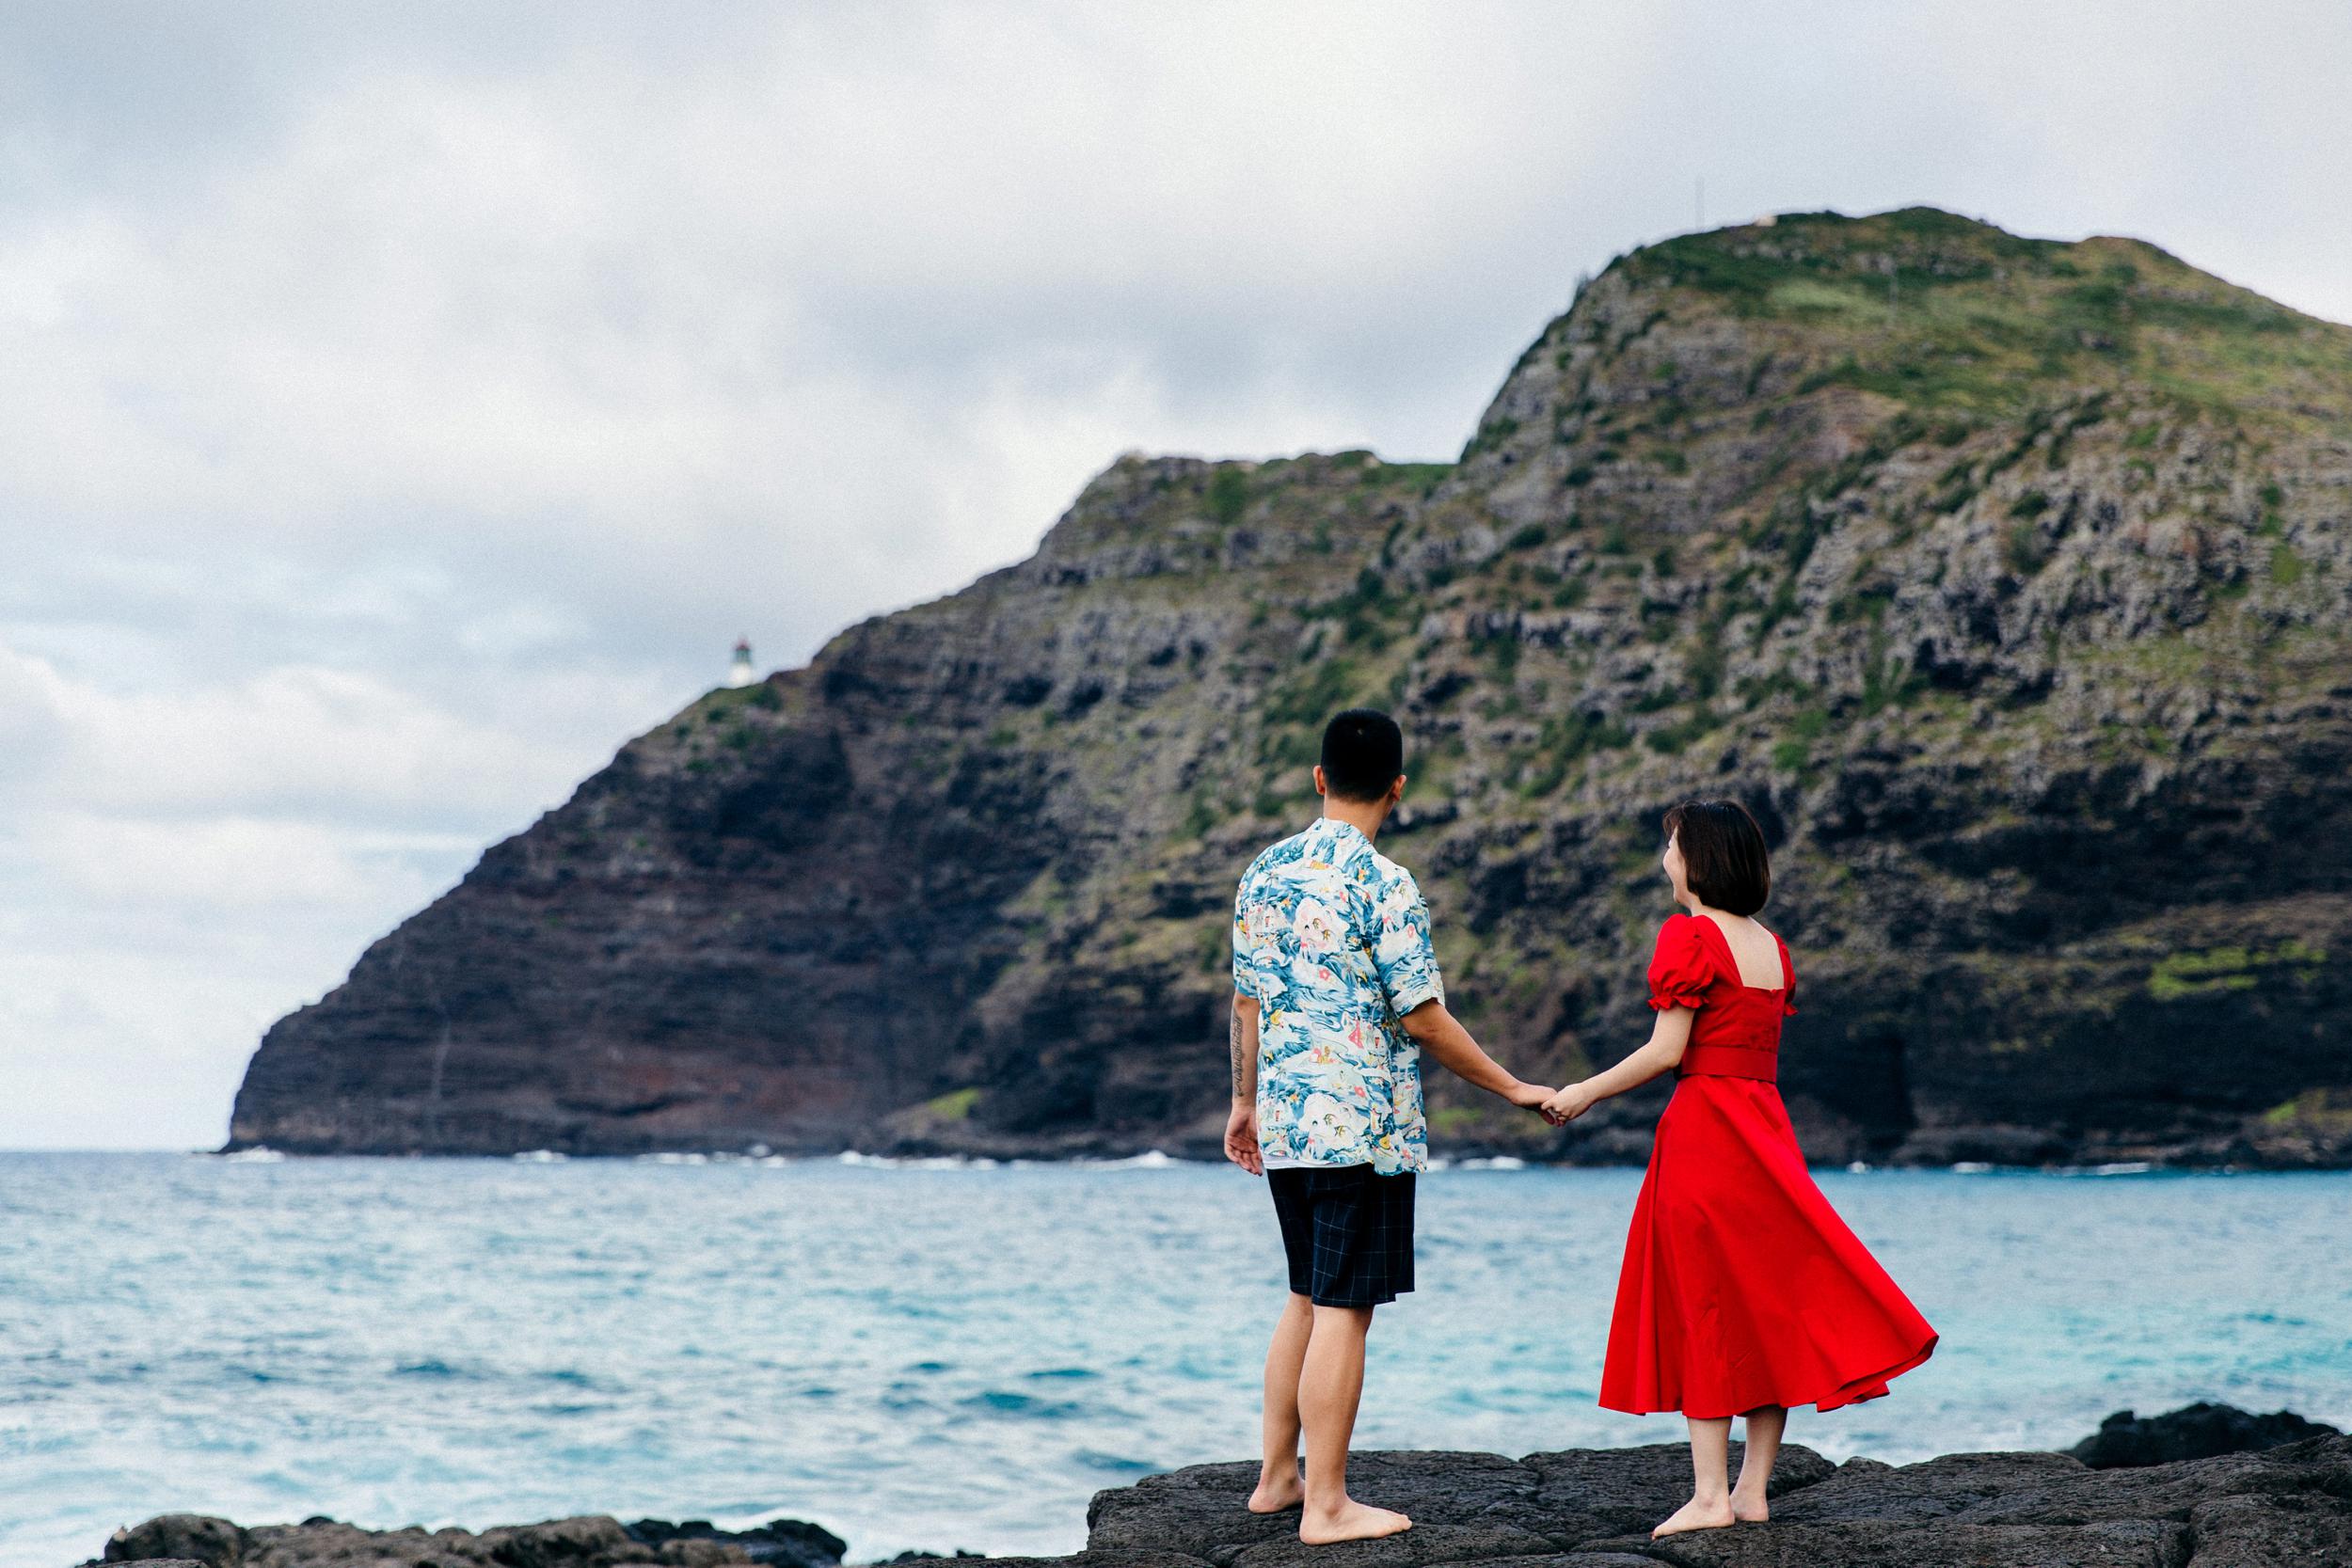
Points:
(402, 405)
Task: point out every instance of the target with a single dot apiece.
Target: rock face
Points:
(2008, 581)
(592, 1540)
(2193, 1432)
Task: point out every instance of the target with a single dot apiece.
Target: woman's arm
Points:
(1661, 1054)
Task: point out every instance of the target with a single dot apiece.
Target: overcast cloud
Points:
(404, 406)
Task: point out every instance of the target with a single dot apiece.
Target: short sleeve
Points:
(1788, 978)
(1244, 947)
(1679, 969)
(1401, 947)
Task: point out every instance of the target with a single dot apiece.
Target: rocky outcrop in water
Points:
(592, 1540)
(2198, 1431)
(2009, 581)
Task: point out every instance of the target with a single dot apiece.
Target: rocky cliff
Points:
(2007, 581)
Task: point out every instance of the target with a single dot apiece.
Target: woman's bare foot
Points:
(1750, 1508)
(1695, 1514)
(1277, 1492)
(1350, 1521)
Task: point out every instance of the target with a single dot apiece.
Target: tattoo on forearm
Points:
(1234, 1040)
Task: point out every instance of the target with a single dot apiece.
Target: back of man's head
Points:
(1363, 753)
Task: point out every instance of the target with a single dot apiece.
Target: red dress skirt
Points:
(1741, 1287)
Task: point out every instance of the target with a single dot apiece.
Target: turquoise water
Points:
(943, 1357)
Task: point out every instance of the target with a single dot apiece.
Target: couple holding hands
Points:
(1743, 1292)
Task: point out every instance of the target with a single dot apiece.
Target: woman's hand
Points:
(1569, 1104)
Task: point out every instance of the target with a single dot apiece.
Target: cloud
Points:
(405, 404)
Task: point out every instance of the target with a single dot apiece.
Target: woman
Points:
(1743, 1291)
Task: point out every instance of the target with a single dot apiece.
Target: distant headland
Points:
(2008, 580)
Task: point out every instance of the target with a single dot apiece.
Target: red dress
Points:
(1741, 1287)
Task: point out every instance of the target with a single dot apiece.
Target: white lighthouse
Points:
(739, 671)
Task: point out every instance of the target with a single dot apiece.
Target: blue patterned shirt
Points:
(1332, 940)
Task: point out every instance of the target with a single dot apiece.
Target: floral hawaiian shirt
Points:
(1332, 940)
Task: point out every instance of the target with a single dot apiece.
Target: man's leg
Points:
(1278, 1474)
(1330, 1383)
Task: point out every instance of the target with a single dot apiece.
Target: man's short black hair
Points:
(1723, 859)
(1363, 752)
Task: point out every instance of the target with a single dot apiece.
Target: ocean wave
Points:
(916, 1162)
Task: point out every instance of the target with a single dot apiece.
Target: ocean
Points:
(958, 1356)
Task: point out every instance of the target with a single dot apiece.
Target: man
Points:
(1335, 995)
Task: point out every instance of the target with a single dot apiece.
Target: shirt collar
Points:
(1332, 827)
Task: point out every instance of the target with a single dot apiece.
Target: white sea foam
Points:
(1151, 1158)
(916, 1162)
(540, 1157)
(1969, 1168)
(254, 1157)
(1495, 1161)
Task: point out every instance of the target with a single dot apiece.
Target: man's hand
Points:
(1528, 1097)
(1241, 1138)
(1569, 1104)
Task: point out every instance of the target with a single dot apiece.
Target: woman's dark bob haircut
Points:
(1723, 860)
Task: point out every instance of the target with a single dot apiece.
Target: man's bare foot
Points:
(1695, 1514)
(1350, 1521)
(1277, 1492)
(1750, 1508)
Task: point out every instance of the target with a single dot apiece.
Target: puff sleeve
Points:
(1679, 969)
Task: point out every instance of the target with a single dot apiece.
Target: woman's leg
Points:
(1764, 1427)
(1709, 1507)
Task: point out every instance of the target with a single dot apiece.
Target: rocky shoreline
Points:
(2208, 1486)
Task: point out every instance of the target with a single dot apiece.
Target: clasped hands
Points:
(1556, 1106)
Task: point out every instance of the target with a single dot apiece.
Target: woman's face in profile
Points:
(1671, 861)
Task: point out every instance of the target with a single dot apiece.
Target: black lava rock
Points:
(2198, 1431)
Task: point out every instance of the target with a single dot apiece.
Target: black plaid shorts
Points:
(1347, 1233)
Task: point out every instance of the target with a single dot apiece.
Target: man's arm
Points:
(1441, 1034)
(1240, 1127)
